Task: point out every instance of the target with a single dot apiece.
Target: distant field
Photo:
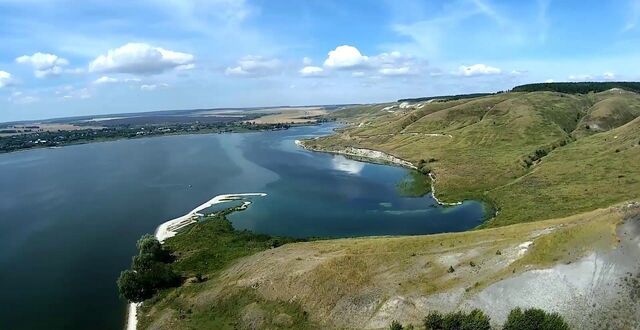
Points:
(288, 115)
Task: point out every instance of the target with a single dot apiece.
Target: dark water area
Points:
(70, 216)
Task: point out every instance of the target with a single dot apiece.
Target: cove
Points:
(70, 216)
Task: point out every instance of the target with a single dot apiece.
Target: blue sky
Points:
(70, 58)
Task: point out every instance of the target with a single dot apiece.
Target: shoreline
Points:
(170, 228)
(377, 157)
(373, 156)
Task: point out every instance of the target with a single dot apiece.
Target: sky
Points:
(77, 58)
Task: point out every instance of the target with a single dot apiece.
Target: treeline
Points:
(529, 319)
(446, 97)
(578, 87)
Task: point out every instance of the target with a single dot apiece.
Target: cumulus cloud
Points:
(254, 66)
(395, 64)
(68, 92)
(477, 70)
(140, 58)
(105, 80)
(44, 65)
(152, 87)
(311, 71)
(21, 98)
(609, 76)
(5, 79)
(581, 77)
(345, 57)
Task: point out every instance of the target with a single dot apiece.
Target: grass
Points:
(331, 279)
(526, 154)
(203, 250)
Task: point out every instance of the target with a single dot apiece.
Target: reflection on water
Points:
(343, 164)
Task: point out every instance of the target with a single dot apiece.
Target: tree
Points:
(475, 320)
(148, 244)
(534, 319)
(130, 286)
(149, 271)
(433, 321)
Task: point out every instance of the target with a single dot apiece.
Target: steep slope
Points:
(614, 108)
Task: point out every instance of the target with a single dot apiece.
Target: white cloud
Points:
(140, 58)
(395, 64)
(549, 81)
(477, 70)
(307, 61)
(254, 66)
(69, 92)
(44, 65)
(402, 71)
(5, 79)
(21, 98)
(105, 80)
(345, 57)
(152, 87)
(608, 76)
(357, 74)
(582, 77)
(311, 71)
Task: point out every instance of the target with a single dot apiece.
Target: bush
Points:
(475, 320)
(534, 319)
(433, 321)
(395, 325)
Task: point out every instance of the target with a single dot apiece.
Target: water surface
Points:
(70, 216)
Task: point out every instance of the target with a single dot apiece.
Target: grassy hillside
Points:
(361, 283)
(529, 154)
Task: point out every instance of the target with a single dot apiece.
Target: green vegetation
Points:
(534, 319)
(43, 139)
(201, 251)
(474, 320)
(149, 271)
(528, 155)
(415, 184)
(578, 87)
(530, 319)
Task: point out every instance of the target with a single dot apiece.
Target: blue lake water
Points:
(70, 216)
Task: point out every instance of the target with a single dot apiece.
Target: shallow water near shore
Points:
(71, 216)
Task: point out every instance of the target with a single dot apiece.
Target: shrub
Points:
(534, 319)
(475, 320)
(433, 321)
(395, 325)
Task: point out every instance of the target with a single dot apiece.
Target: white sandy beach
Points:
(170, 228)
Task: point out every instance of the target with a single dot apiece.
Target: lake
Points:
(70, 216)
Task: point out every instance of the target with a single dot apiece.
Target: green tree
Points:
(433, 321)
(534, 319)
(149, 271)
(475, 320)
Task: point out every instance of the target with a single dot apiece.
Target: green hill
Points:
(533, 156)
